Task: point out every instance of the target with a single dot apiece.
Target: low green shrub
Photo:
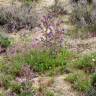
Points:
(39, 61)
(87, 61)
(79, 81)
(94, 80)
(26, 94)
(72, 78)
(42, 61)
(15, 87)
(28, 1)
(21, 89)
(49, 93)
(4, 41)
(6, 80)
(11, 65)
(82, 85)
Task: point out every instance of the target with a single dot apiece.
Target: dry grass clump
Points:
(14, 18)
(28, 0)
(84, 13)
(59, 7)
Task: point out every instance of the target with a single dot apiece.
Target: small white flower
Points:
(93, 59)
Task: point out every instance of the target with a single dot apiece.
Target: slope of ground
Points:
(60, 87)
(5, 2)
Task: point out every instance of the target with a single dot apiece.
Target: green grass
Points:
(4, 41)
(49, 93)
(5, 80)
(87, 61)
(80, 81)
(9, 83)
(39, 61)
(29, 1)
(42, 62)
(93, 80)
(82, 77)
(26, 94)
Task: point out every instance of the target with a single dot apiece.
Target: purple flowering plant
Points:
(53, 33)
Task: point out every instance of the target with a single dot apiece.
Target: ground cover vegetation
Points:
(52, 58)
